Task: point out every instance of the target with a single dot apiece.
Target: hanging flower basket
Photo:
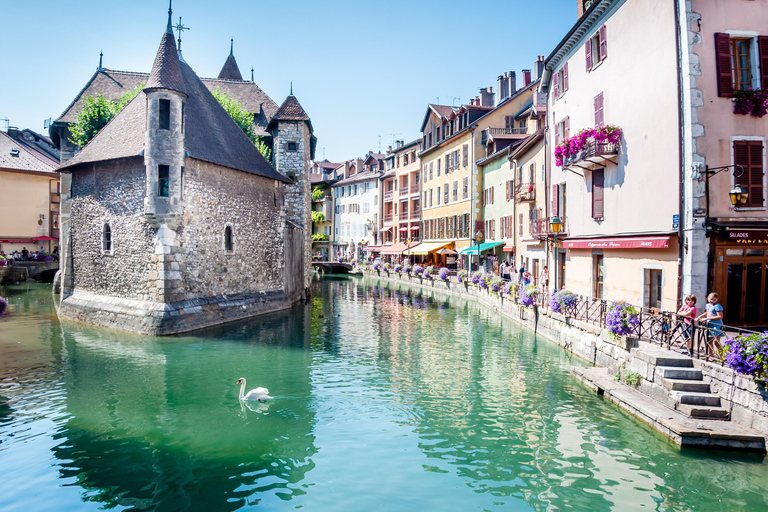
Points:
(572, 147)
(752, 102)
(622, 320)
(748, 354)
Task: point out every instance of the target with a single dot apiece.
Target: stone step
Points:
(691, 398)
(663, 357)
(687, 385)
(680, 373)
(703, 411)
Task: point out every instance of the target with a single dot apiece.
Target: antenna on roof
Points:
(101, 56)
(438, 100)
(323, 152)
(453, 100)
(379, 151)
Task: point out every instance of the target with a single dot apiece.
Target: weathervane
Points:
(180, 28)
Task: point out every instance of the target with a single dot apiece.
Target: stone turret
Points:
(294, 149)
(164, 136)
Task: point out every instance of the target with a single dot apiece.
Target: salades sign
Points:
(655, 242)
(748, 236)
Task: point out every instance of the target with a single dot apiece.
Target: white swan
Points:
(260, 394)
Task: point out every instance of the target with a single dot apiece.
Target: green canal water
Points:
(384, 400)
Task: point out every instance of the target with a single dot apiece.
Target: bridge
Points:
(40, 271)
(332, 267)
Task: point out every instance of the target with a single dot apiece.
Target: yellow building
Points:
(454, 138)
(29, 208)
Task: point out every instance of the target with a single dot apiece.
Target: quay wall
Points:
(747, 399)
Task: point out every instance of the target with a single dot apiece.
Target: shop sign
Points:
(619, 243)
(748, 236)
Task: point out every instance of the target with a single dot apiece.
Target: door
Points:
(745, 287)
(598, 274)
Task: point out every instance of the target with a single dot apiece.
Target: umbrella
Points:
(445, 250)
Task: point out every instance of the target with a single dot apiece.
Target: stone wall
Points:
(216, 197)
(110, 192)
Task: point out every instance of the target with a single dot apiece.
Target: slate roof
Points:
(358, 177)
(230, 71)
(28, 158)
(210, 133)
(290, 110)
(166, 71)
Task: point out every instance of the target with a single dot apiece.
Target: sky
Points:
(363, 70)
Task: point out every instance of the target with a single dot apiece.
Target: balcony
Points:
(508, 131)
(387, 218)
(594, 154)
(403, 216)
(525, 192)
(540, 228)
(404, 191)
(55, 198)
(415, 189)
(415, 214)
(388, 195)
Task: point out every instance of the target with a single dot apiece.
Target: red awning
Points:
(46, 237)
(15, 240)
(414, 228)
(508, 248)
(646, 242)
(403, 229)
(393, 249)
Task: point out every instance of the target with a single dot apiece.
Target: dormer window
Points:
(164, 115)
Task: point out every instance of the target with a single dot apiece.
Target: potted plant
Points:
(747, 354)
(461, 276)
(443, 274)
(622, 321)
(750, 102)
(528, 295)
(562, 300)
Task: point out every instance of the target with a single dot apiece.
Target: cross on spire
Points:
(180, 28)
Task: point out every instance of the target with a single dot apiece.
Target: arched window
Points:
(228, 245)
(106, 239)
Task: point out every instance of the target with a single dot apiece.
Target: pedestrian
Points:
(688, 312)
(544, 279)
(713, 316)
(527, 278)
(522, 271)
(503, 270)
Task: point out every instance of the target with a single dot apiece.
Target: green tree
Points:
(244, 120)
(97, 111)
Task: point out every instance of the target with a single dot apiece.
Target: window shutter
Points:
(723, 59)
(749, 154)
(565, 77)
(603, 43)
(556, 200)
(588, 52)
(492, 194)
(466, 154)
(557, 85)
(493, 228)
(599, 118)
(520, 226)
(567, 128)
(478, 227)
(597, 193)
(762, 50)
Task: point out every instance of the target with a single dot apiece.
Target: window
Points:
(446, 193)
(292, 146)
(106, 239)
(228, 244)
(749, 154)
(563, 130)
(509, 122)
(455, 190)
(599, 110)
(182, 117)
(438, 167)
(596, 49)
(561, 81)
(163, 180)
(742, 63)
(181, 184)
(598, 275)
(465, 154)
(652, 288)
(598, 177)
(438, 194)
(164, 115)
(430, 197)
(465, 188)
(430, 171)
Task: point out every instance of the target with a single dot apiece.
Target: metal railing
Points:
(388, 195)
(415, 188)
(403, 215)
(593, 149)
(387, 217)
(541, 227)
(508, 131)
(404, 190)
(525, 192)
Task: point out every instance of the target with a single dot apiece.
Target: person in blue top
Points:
(714, 321)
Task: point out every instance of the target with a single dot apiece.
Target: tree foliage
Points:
(97, 111)
(244, 120)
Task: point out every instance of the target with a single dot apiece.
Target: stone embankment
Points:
(693, 402)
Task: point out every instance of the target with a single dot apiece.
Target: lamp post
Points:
(555, 225)
(478, 239)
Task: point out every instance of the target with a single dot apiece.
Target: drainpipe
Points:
(681, 159)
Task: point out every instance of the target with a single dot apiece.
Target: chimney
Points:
(526, 77)
(500, 83)
(512, 83)
(539, 67)
(486, 97)
(13, 132)
(389, 149)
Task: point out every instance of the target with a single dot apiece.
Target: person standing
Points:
(688, 313)
(503, 270)
(544, 279)
(714, 318)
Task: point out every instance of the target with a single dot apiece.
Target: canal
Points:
(384, 400)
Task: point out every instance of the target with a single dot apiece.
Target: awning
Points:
(414, 228)
(403, 229)
(647, 242)
(45, 237)
(473, 249)
(393, 249)
(508, 248)
(425, 248)
(386, 228)
(372, 248)
(15, 240)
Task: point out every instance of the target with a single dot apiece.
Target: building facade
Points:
(619, 245)
(356, 206)
(401, 195)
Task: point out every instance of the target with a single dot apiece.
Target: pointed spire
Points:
(170, 13)
(291, 87)
(101, 56)
(251, 73)
(230, 71)
(166, 71)
(232, 47)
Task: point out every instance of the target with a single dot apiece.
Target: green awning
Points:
(472, 250)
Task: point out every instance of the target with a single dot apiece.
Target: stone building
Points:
(175, 221)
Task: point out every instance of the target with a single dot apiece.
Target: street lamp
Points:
(555, 225)
(478, 239)
(738, 195)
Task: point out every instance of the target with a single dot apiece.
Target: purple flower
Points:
(376, 266)
(622, 319)
(526, 300)
(418, 269)
(461, 276)
(443, 274)
(3, 305)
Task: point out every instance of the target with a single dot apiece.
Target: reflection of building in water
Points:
(157, 424)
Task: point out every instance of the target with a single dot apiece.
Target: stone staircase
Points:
(676, 383)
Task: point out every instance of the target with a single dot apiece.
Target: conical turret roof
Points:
(230, 70)
(290, 110)
(166, 72)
